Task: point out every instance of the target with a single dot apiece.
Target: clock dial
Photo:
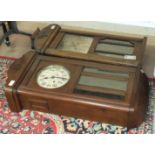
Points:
(53, 76)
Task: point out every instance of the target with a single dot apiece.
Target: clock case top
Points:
(120, 106)
(89, 46)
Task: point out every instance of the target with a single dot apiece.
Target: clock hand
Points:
(58, 77)
(45, 78)
(54, 77)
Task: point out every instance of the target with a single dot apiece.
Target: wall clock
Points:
(78, 88)
(98, 47)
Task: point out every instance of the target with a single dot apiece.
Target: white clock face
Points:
(53, 76)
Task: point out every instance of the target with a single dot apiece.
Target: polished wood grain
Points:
(26, 94)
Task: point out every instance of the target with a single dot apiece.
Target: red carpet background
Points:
(27, 121)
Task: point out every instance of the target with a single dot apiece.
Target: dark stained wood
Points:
(51, 37)
(139, 44)
(75, 108)
(43, 39)
(91, 57)
(16, 72)
(139, 108)
(51, 47)
(26, 94)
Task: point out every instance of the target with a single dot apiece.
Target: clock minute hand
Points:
(58, 77)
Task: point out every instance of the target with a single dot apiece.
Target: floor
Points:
(20, 44)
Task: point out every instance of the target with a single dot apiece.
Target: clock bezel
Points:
(43, 69)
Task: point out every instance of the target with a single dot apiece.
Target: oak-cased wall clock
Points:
(65, 75)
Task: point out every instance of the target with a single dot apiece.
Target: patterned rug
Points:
(27, 121)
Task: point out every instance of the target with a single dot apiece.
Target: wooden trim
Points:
(100, 34)
(93, 45)
(130, 87)
(50, 38)
(109, 67)
(57, 40)
(91, 57)
(75, 79)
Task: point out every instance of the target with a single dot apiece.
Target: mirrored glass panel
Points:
(98, 94)
(115, 49)
(75, 43)
(105, 72)
(103, 83)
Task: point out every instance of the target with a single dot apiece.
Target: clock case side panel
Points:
(139, 102)
(16, 73)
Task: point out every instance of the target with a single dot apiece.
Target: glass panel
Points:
(114, 48)
(75, 43)
(117, 42)
(100, 71)
(110, 55)
(97, 94)
(103, 83)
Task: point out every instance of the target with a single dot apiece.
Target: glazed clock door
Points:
(103, 83)
(51, 75)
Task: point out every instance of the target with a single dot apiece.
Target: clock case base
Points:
(19, 98)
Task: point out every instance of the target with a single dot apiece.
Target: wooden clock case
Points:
(98, 47)
(101, 88)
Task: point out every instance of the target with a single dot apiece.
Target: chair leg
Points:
(13, 26)
(7, 40)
